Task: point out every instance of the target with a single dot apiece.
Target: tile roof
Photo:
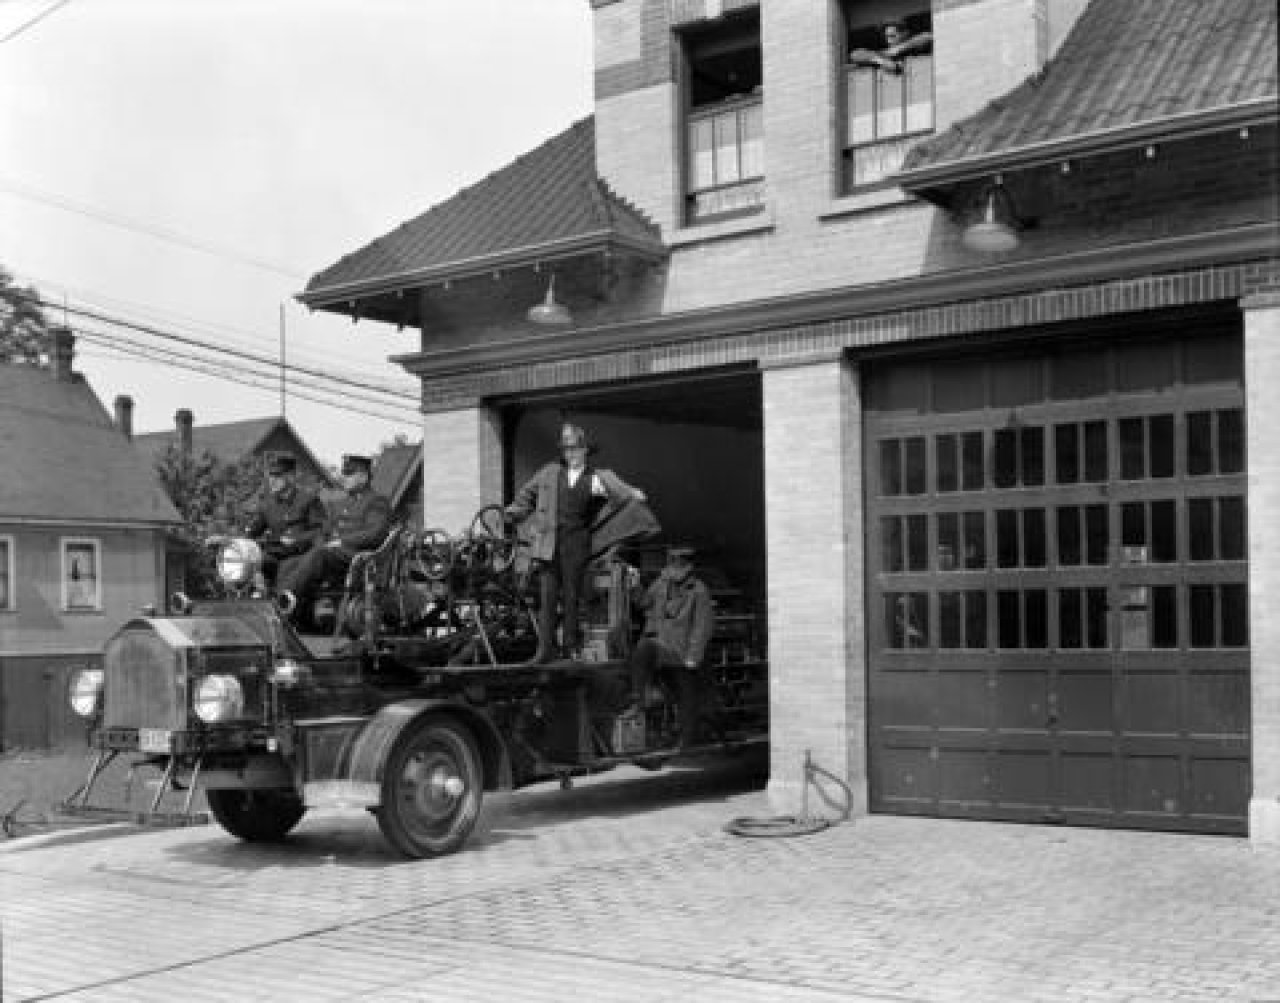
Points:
(63, 458)
(1135, 70)
(229, 441)
(547, 204)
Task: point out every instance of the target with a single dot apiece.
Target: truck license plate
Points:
(154, 739)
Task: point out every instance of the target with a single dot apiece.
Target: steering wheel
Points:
(495, 540)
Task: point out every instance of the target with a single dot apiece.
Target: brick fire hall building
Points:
(962, 362)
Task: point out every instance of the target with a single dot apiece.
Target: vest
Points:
(575, 506)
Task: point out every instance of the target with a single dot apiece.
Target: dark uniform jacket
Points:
(681, 615)
(298, 514)
(622, 516)
(359, 520)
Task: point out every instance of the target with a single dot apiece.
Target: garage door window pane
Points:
(906, 619)
(947, 457)
(1164, 532)
(1200, 528)
(1231, 525)
(1164, 621)
(891, 467)
(1203, 603)
(1007, 538)
(1097, 534)
(1037, 618)
(975, 540)
(1095, 451)
(917, 543)
(1009, 619)
(1235, 616)
(913, 458)
(1032, 458)
(1005, 474)
(1071, 618)
(1096, 617)
(1160, 429)
(1069, 518)
(1132, 453)
(950, 620)
(1033, 538)
(1230, 441)
(1066, 453)
(972, 473)
(892, 558)
(1199, 443)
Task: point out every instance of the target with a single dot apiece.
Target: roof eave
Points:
(1262, 111)
(596, 241)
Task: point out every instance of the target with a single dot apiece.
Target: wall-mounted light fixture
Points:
(993, 227)
(550, 312)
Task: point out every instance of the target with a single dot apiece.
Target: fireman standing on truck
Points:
(679, 619)
(359, 521)
(557, 509)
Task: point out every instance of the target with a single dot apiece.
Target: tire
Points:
(418, 816)
(256, 816)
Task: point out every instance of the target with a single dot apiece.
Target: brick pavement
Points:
(632, 891)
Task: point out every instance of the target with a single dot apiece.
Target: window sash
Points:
(8, 597)
(81, 574)
(726, 146)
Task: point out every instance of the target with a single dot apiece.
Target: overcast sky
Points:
(189, 164)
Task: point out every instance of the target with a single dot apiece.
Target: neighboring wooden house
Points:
(83, 524)
(397, 475)
(233, 441)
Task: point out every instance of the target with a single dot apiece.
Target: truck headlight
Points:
(218, 698)
(239, 561)
(84, 691)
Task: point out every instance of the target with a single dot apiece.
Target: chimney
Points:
(124, 416)
(183, 420)
(62, 353)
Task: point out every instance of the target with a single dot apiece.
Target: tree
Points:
(214, 498)
(24, 329)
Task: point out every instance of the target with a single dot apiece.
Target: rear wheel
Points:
(256, 816)
(432, 785)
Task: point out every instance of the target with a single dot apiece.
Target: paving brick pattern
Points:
(633, 891)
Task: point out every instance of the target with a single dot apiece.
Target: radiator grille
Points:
(146, 684)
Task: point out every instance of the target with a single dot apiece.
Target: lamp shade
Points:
(549, 312)
(993, 229)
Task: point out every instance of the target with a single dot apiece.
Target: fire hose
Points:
(803, 824)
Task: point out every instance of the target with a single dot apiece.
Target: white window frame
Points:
(67, 544)
(8, 563)
(888, 142)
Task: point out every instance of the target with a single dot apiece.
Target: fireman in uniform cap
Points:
(288, 520)
(679, 619)
(358, 522)
(562, 511)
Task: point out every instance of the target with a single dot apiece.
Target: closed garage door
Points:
(1057, 603)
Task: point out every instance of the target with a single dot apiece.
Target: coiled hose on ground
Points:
(803, 824)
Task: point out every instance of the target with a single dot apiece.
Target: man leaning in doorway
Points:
(557, 509)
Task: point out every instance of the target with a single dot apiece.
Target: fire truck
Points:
(416, 700)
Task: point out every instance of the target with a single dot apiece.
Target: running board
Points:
(150, 819)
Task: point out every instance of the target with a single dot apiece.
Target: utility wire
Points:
(196, 343)
(168, 357)
(116, 340)
(23, 190)
(29, 24)
(238, 336)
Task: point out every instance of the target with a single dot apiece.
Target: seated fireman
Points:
(289, 518)
(679, 619)
(359, 521)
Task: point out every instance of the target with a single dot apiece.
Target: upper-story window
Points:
(888, 93)
(724, 120)
(7, 584)
(81, 574)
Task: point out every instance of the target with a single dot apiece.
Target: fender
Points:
(373, 744)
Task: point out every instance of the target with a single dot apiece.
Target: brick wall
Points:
(1262, 375)
(817, 670)
(462, 466)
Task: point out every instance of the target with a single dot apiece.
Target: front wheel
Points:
(256, 816)
(432, 785)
